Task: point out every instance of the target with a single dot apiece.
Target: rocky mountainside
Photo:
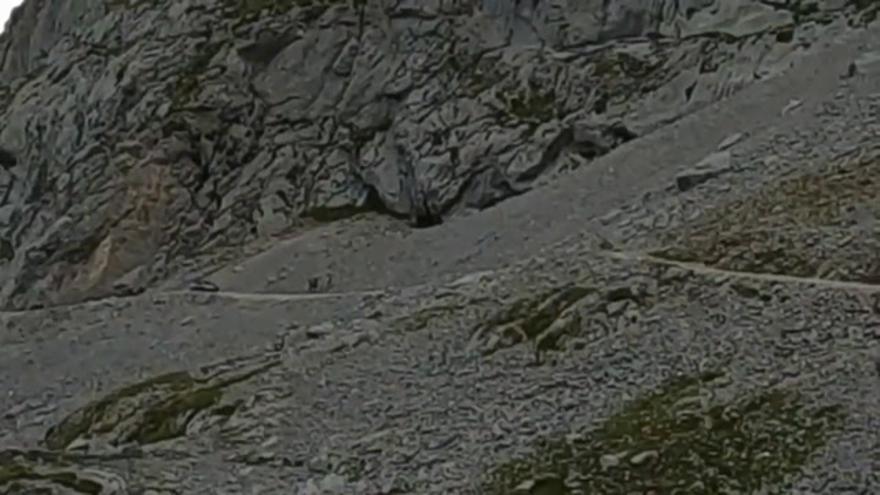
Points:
(141, 138)
(561, 247)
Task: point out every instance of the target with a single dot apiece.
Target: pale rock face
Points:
(164, 129)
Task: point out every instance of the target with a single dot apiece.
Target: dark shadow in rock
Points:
(7, 159)
(550, 155)
(487, 188)
(621, 133)
(7, 252)
(32, 471)
(264, 50)
(425, 216)
(372, 203)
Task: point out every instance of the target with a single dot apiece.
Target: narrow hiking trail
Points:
(640, 256)
(422, 378)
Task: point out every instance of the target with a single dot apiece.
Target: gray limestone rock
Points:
(710, 167)
(167, 130)
(605, 333)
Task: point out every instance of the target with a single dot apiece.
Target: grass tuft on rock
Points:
(150, 411)
(20, 473)
(671, 442)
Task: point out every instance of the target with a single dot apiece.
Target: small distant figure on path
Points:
(315, 283)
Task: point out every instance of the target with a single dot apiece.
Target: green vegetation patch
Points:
(787, 228)
(151, 411)
(537, 105)
(619, 76)
(672, 442)
(558, 319)
(476, 74)
(528, 319)
(534, 314)
(159, 403)
(20, 472)
(189, 82)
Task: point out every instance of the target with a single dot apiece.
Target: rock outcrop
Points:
(697, 311)
(139, 134)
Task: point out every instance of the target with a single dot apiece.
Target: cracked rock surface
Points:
(147, 139)
(693, 310)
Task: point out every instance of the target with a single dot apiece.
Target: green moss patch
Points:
(147, 412)
(533, 105)
(619, 76)
(540, 318)
(23, 472)
(559, 319)
(797, 226)
(189, 80)
(672, 442)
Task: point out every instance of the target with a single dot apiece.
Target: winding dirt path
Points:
(639, 256)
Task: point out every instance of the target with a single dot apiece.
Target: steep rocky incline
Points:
(719, 333)
(141, 138)
(696, 311)
(585, 371)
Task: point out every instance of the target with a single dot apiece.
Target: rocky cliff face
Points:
(696, 311)
(137, 134)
